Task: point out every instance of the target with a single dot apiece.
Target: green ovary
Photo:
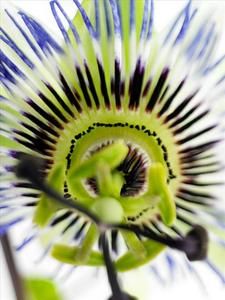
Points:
(109, 210)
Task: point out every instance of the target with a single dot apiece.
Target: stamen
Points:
(194, 244)
(30, 168)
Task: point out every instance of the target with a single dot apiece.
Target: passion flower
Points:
(116, 132)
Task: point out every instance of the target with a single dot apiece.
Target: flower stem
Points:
(14, 274)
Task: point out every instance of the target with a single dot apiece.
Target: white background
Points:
(86, 284)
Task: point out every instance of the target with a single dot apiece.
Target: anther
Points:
(30, 168)
(196, 243)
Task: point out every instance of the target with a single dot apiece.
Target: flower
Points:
(116, 133)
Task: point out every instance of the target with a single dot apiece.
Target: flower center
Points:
(144, 150)
(118, 171)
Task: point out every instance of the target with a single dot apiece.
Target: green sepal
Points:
(158, 187)
(41, 289)
(47, 207)
(130, 261)
(68, 254)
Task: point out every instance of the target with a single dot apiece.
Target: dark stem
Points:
(111, 271)
(14, 274)
(66, 202)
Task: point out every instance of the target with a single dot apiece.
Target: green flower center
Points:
(120, 158)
